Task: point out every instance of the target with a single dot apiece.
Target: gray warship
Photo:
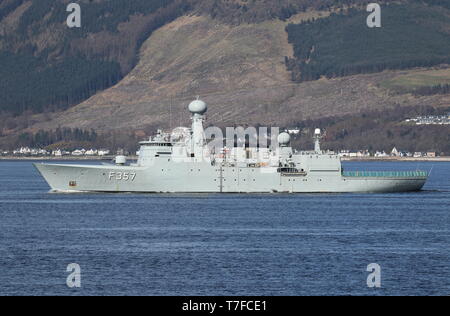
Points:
(182, 162)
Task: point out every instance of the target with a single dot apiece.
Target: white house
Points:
(103, 152)
(395, 152)
(77, 153)
(381, 154)
(344, 153)
(294, 131)
(91, 152)
(57, 153)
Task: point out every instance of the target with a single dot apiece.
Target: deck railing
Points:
(385, 174)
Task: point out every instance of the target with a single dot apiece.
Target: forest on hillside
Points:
(47, 74)
(412, 35)
(42, 139)
(27, 85)
(253, 11)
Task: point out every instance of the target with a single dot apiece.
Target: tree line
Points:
(254, 11)
(28, 83)
(44, 138)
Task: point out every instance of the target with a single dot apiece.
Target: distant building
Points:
(430, 120)
(344, 153)
(23, 151)
(395, 153)
(364, 153)
(294, 131)
(381, 154)
(405, 154)
(91, 152)
(103, 152)
(57, 153)
(77, 153)
(431, 154)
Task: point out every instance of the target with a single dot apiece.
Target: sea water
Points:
(231, 244)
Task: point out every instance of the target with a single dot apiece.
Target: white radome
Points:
(284, 139)
(198, 107)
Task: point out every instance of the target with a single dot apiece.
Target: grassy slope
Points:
(417, 79)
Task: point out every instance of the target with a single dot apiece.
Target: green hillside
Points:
(420, 83)
(412, 35)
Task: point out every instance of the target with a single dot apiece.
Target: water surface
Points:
(212, 244)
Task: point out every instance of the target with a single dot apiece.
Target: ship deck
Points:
(385, 174)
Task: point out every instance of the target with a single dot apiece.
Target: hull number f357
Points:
(122, 176)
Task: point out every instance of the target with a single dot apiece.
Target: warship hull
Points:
(205, 178)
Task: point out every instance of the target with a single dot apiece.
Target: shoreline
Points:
(109, 158)
(398, 159)
(66, 158)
